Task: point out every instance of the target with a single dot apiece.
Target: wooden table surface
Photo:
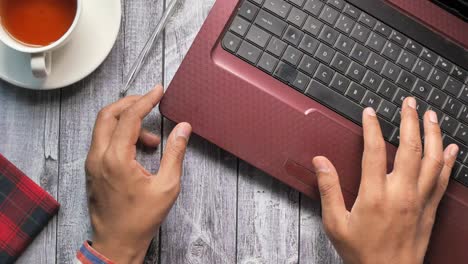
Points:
(227, 212)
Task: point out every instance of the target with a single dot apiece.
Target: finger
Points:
(128, 129)
(450, 156)
(173, 156)
(107, 120)
(433, 161)
(149, 139)
(333, 206)
(408, 157)
(374, 161)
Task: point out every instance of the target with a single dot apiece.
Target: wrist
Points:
(119, 253)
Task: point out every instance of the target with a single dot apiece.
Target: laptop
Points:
(277, 82)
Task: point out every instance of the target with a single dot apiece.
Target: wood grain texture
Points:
(29, 125)
(201, 227)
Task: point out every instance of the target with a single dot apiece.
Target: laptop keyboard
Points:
(346, 59)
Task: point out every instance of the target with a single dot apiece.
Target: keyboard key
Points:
(344, 44)
(459, 73)
(422, 89)
(336, 101)
(449, 125)
(329, 15)
(383, 29)
(276, 47)
(407, 60)
(278, 7)
(231, 42)
(387, 109)
(437, 98)
(239, 26)
(301, 82)
(464, 95)
(340, 62)
(297, 17)
(464, 114)
(293, 35)
(391, 71)
(248, 10)
(313, 7)
(371, 100)
(338, 4)
(313, 26)
(400, 97)
(372, 81)
(375, 62)
(267, 63)
(423, 69)
(258, 36)
(356, 72)
(391, 51)
(462, 176)
(429, 56)
(324, 53)
(309, 44)
(308, 65)
(270, 23)
(438, 77)
(297, 2)
(452, 107)
(356, 92)
(387, 129)
(329, 35)
(421, 107)
(387, 90)
(406, 80)
(352, 11)
(413, 46)
(453, 87)
(257, 2)
(367, 20)
(395, 139)
(398, 38)
(444, 64)
(397, 119)
(292, 55)
(340, 83)
(360, 53)
(249, 52)
(286, 73)
(463, 151)
(324, 74)
(462, 134)
(345, 24)
(360, 33)
(376, 42)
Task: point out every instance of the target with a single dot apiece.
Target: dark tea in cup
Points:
(37, 22)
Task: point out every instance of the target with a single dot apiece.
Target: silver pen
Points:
(148, 46)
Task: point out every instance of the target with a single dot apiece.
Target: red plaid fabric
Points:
(25, 209)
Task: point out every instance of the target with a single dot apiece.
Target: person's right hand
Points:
(393, 215)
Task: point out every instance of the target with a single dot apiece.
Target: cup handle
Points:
(41, 64)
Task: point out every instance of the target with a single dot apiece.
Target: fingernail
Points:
(412, 102)
(183, 130)
(321, 166)
(433, 117)
(370, 111)
(454, 150)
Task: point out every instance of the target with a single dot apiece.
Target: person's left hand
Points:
(126, 202)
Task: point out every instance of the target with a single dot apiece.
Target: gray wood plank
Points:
(201, 228)
(315, 247)
(29, 121)
(80, 105)
(268, 219)
(141, 16)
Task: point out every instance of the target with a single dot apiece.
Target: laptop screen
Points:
(457, 7)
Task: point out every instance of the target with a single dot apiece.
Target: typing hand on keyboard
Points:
(392, 218)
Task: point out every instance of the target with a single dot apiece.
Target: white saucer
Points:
(92, 41)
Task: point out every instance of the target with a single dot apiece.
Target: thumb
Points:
(174, 153)
(333, 206)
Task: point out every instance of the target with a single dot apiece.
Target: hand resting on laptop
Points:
(391, 221)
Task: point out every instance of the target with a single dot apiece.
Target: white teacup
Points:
(41, 57)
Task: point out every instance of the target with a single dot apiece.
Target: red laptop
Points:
(277, 82)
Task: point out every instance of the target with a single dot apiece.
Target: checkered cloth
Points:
(25, 209)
